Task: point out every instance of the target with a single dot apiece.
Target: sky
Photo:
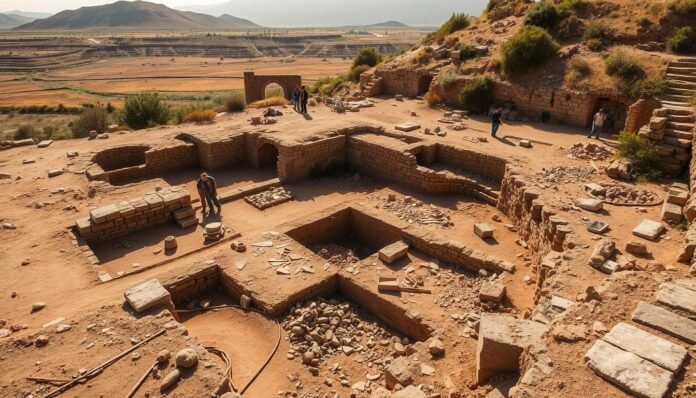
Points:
(293, 12)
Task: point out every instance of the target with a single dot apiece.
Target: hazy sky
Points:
(294, 12)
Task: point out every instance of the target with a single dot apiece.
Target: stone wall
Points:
(218, 153)
(639, 114)
(296, 162)
(492, 167)
(192, 283)
(123, 218)
(409, 82)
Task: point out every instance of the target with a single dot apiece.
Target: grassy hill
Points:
(137, 15)
(9, 21)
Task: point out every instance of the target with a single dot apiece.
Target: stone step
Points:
(680, 77)
(681, 118)
(679, 91)
(676, 296)
(684, 111)
(675, 105)
(679, 134)
(681, 70)
(680, 126)
(655, 349)
(686, 59)
(187, 222)
(628, 371)
(677, 142)
(665, 321)
(682, 99)
(683, 64)
(681, 84)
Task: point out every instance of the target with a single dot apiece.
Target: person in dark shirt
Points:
(207, 191)
(305, 97)
(296, 99)
(496, 121)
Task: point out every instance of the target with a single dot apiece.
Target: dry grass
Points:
(268, 102)
(312, 102)
(203, 116)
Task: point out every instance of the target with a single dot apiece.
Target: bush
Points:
(650, 87)
(93, 118)
(367, 56)
(467, 51)
(569, 28)
(312, 102)
(567, 7)
(543, 15)
(626, 66)
(530, 46)
(268, 102)
(449, 80)
(578, 70)
(235, 103)
(144, 110)
(457, 22)
(683, 7)
(326, 85)
(640, 151)
(594, 45)
(597, 30)
(477, 95)
(356, 71)
(206, 116)
(681, 40)
(24, 132)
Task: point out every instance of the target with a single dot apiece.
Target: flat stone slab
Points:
(655, 349)
(492, 291)
(147, 295)
(483, 230)
(593, 205)
(677, 196)
(671, 212)
(502, 339)
(648, 229)
(409, 126)
(45, 143)
(393, 252)
(677, 296)
(666, 321)
(688, 283)
(561, 303)
(628, 371)
(104, 213)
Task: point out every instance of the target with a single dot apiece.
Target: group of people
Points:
(299, 98)
(597, 122)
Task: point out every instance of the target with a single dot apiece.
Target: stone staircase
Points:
(672, 126)
(641, 363)
(370, 86)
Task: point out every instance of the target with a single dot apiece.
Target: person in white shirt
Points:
(597, 123)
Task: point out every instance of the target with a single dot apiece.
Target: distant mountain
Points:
(127, 15)
(241, 22)
(30, 15)
(9, 21)
(389, 25)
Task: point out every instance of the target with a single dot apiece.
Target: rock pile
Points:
(412, 210)
(589, 151)
(336, 255)
(622, 195)
(564, 174)
(269, 198)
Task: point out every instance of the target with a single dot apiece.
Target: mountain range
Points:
(135, 15)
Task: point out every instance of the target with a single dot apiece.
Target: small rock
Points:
(436, 348)
(186, 358)
(163, 356)
(63, 328)
(170, 379)
(41, 341)
(38, 306)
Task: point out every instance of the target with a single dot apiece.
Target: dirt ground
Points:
(56, 272)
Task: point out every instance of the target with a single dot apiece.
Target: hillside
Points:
(9, 21)
(239, 22)
(29, 14)
(124, 15)
(389, 25)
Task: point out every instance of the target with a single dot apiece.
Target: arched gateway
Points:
(255, 86)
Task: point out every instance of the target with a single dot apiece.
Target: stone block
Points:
(649, 230)
(153, 200)
(677, 296)
(407, 127)
(655, 349)
(44, 144)
(561, 303)
(104, 213)
(595, 189)
(657, 122)
(410, 392)
(636, 248)
(400, 371)
(671, 212)
(665, 321)
(187, 222)
(525, 144)
(146, 295)
(501, 341)
(393, 252)
(628, 371)
(483, 230)
(593, 205)
(55, 173)
(677, 197)
(492, 291)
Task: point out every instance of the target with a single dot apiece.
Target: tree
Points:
(367, 56)
(144, 110)
(91, 118)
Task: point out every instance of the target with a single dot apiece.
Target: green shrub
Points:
(683, 7)
(640, 151)
(467, 51)
(543, 15)
(367, 56)
(649, 87)
(570, 27)
(326, 85)
(356, 71)
(578, 70)
(567, 7)
(24, 132)
(457, 22)
(626, 66)
(594, 45)
(530, 46)
(274, 90)
(681, 40)
(597, 30)
(449, 80)
(93, 118)
(144, 110)
(477, 95)
(235, 102)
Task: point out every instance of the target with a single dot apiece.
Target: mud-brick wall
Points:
(490, 166)
(173, 158)
(225, 152)
(322, 228)
(121, 157)
(639, 114)
(123, 218)
(407, 82)
(295, 162)
(192, 283)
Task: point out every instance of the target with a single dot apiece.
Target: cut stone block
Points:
(648, 229)
(55, 172)
(104, 213)
(400, 371)
(678, 197)
(393, 252)
(525, 144)
(609, 267)
(24, 142)
(647, 346)
(636, 248)
(483, 230)
(492, 291)
(593, 205)
(185, 212)
(146, 295)
(595, 189)
(501, 342)
(628, 371)
(687, 283)
(677, 296)
(187, 222)
(407, 126)
(561, 303)
(45, 143)
(672, 212)
(665, 321)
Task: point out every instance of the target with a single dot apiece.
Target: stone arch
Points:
(255, 86)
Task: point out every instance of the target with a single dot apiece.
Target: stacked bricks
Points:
(369, 86)
(192, 283)
(409, 82)
(215, 153)
(295, 162)
(639, 114)
(671, 130)
(123, 218)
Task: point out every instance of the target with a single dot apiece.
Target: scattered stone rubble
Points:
(412, 210)
(564, 175)
(269, 198)
(336, 255)
(589, 151)
(622, 195)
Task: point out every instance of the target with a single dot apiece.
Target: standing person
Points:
(296, 99)
(304, 95)
(597, 123)
(207, 191)
(496, 121)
